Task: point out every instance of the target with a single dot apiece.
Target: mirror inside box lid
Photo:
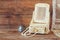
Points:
(56, 18)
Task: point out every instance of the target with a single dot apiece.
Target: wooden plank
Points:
(3, 19)
(23, 19)
(7, 0)
(4, 4)
(15, 35)
(4, 27)
(7, 26)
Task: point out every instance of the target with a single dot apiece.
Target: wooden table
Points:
(15, 35)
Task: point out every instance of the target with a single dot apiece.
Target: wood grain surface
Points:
(15, 35)
(16, 12)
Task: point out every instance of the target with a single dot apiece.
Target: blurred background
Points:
(14, 13)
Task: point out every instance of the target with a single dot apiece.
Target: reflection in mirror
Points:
(56, 18)
(40, 13)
